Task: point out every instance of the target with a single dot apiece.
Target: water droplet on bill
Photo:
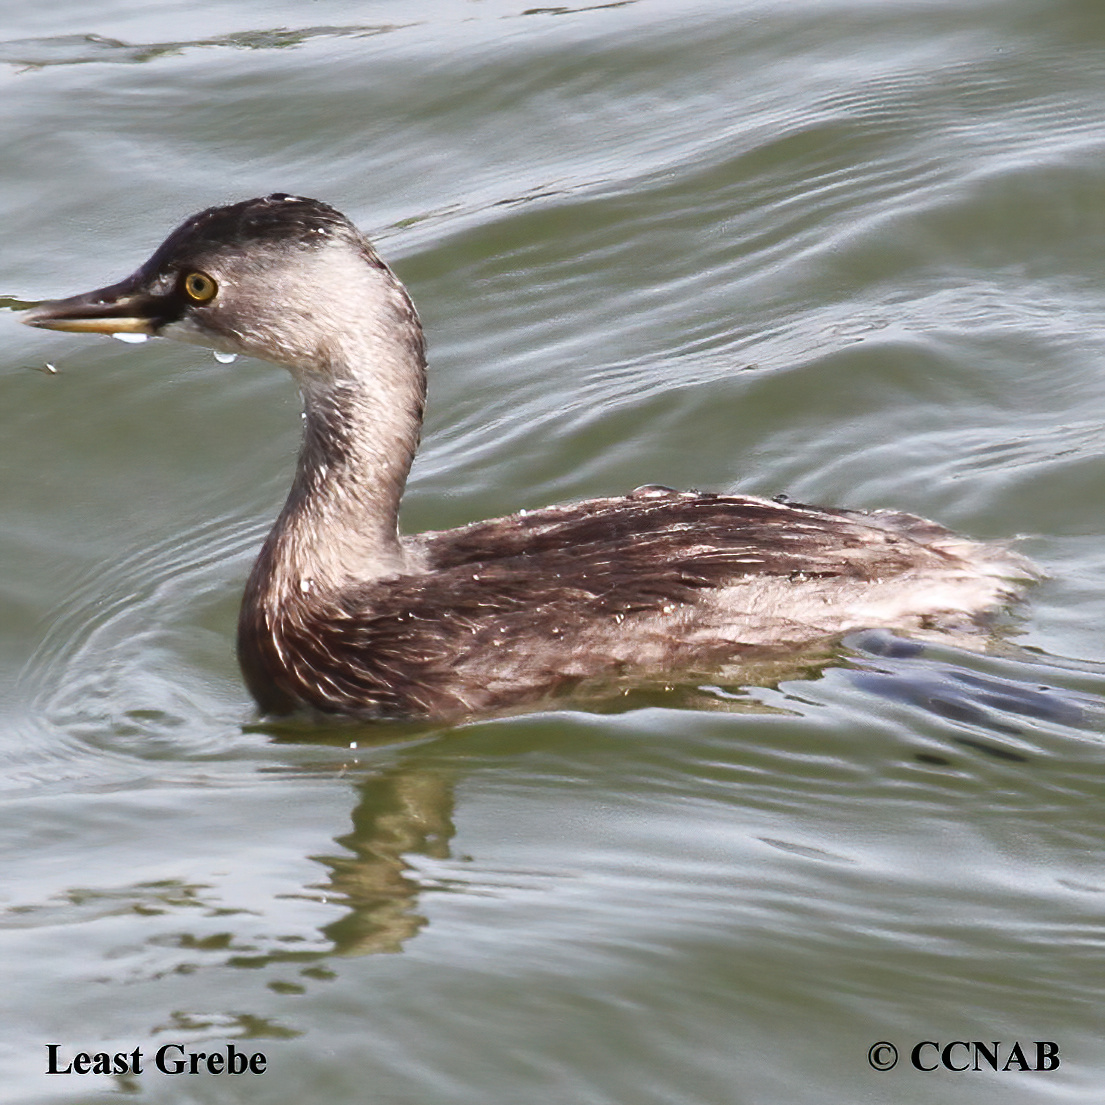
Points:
(131, 339)
(224, 358)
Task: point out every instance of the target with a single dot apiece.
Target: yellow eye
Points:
(199, 287)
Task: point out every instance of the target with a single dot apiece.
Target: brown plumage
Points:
(342, 615)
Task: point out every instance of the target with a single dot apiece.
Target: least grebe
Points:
(343, 615)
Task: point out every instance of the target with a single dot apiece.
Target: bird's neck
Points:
(362, 418)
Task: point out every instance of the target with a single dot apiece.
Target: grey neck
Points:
(362, 407)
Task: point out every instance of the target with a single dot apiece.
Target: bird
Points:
(344, 616)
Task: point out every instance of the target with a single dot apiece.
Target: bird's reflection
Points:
(402, 812)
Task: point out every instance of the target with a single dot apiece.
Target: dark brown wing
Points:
(683, 538)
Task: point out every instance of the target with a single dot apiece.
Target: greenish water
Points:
(850, 251)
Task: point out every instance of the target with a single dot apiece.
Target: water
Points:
(849, 251)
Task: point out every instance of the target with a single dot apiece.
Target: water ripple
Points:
(133, 633)
(85, 49)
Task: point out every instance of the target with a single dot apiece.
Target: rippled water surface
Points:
(849, 251)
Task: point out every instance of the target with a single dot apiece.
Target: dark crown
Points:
(276, 220)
